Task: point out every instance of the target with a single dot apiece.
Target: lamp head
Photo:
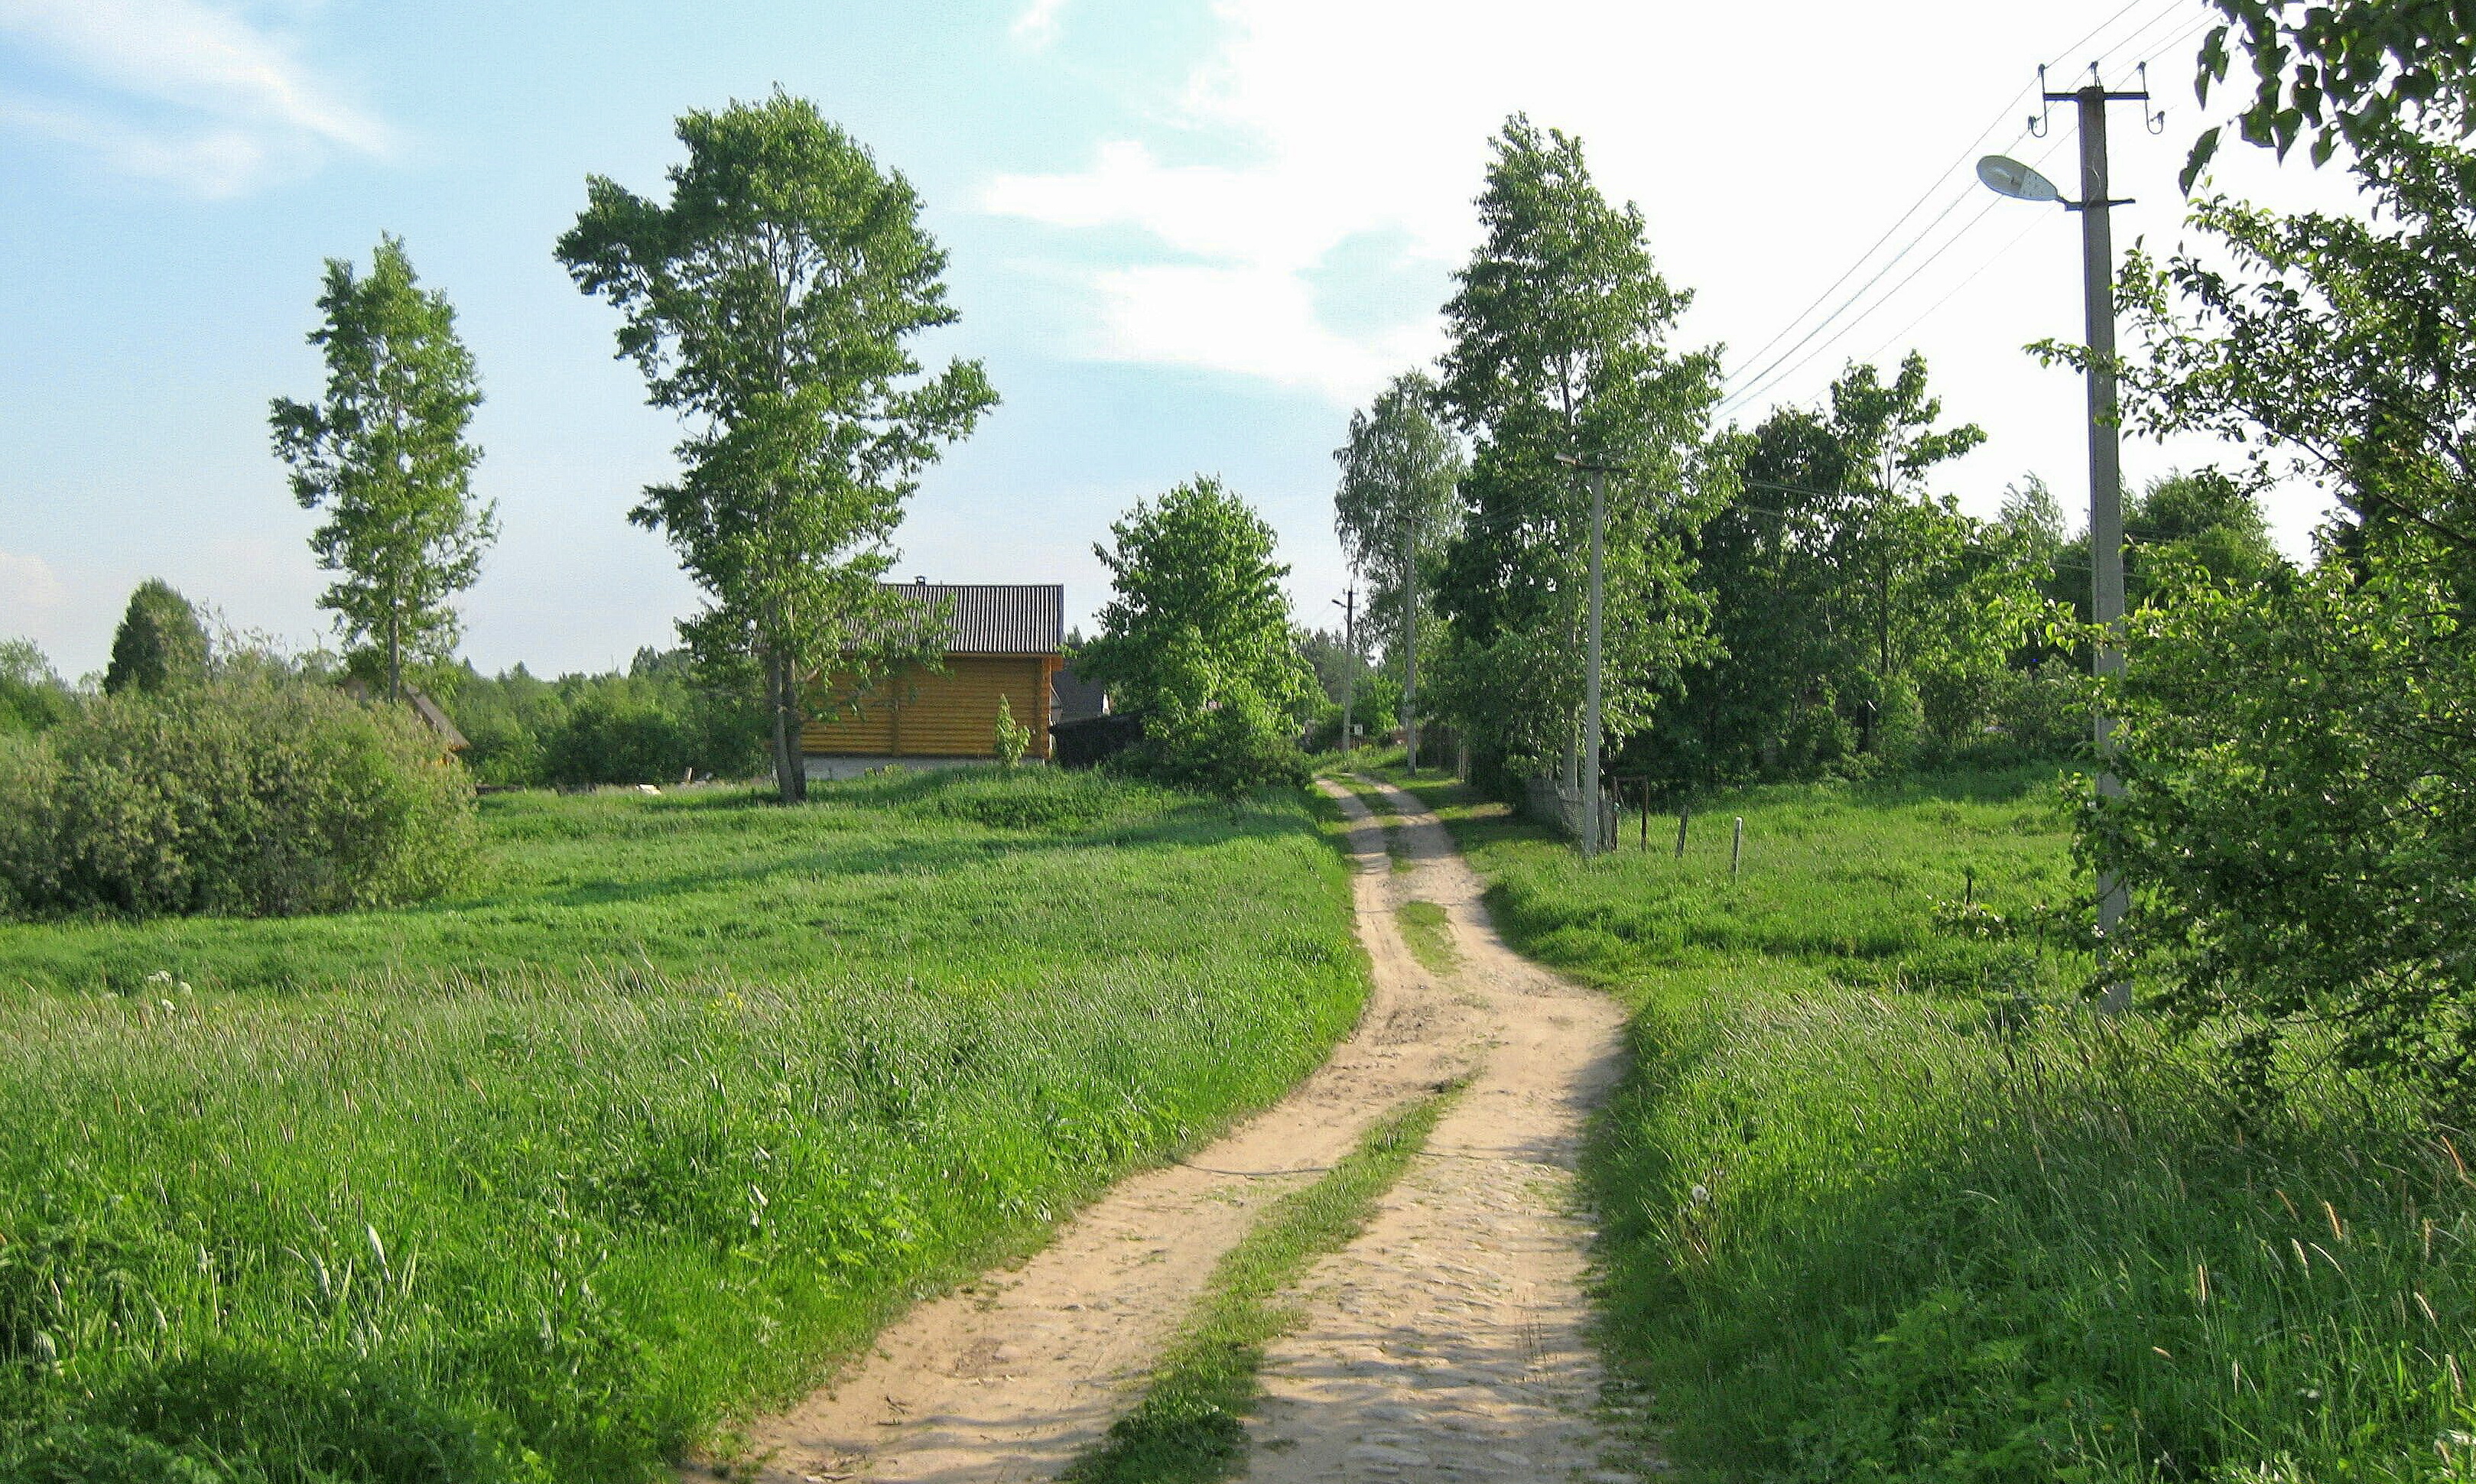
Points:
(2008, 177)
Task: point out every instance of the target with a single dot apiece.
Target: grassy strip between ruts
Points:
(682, 1104)
(1425, 927)
(1883, 1202)
(1188, 1427)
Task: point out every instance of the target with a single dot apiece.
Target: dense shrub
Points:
(160, 643)
(649, 724)
(32, 697)
(250, 796)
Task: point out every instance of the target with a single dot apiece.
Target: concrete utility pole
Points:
(2106, 454)
(1592, 728)
(1348, 602)
(1410, 638)
(2011, 178)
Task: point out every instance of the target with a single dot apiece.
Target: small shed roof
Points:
(995, 618)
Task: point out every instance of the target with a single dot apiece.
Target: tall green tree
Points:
(1396, 513)
(2296, 825)
(1853, 607)
(1560, 327)
(2203, 520)
(385, 455)
(33, 698)
(771, 301)
(160, 643)
(1195, 637)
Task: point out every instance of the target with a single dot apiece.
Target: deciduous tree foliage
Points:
(160, 643)
(771, 301)
(2325, 71)
(1195, 637)
(1857, 613)
(1559, 345)
(2298, 825)
(1397, 514)
(385, 455)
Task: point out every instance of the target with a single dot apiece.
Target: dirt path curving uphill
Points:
(1449, 1341)
(1009, 1377)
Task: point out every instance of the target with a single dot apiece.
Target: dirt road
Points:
(1446, 1339)
(1449, 1341)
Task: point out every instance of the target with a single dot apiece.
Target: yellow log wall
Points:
(919, 713)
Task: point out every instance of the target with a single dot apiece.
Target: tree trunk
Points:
(395, 659)
(790, 774)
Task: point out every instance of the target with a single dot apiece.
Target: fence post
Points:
(1737, 846)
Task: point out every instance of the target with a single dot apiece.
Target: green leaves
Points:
(771, 300)
(1195, 637)
(2333, 71)
(1559, 345)
(385, 455)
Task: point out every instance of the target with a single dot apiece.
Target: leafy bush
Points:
(160, 643)
(32, 697)
(250, 796)
(649, 724)
(1225, 751)
(1196, 639)
(2297, 828)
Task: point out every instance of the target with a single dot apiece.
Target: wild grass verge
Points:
(546, 1185)
(1188, 1427)
(1882, 1202)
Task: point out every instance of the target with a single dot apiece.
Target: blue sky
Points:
(1184, 236)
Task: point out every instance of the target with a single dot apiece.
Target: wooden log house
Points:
(1001, 641)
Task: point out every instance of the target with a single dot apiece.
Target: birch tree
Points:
(386, 457)
(1395, 511)
(771, 302)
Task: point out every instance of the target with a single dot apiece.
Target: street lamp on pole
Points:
(1590, 726)
(2009, 177)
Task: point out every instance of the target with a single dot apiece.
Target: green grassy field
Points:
(1881, 1201)
(546, 1182)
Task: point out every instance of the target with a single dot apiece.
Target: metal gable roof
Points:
(995, 618)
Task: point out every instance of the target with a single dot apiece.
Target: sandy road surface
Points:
(1449, 1341)
(1010, 1377)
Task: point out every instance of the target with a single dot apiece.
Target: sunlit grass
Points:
(1883, 1200)
(546, 1183)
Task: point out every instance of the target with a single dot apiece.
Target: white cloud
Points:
(31, 596)
(1766, 156)
(191, 93)
(1037, 25)
(1357, 119)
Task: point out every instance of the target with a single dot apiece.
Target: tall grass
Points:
(546, 1185)
(1881, 1201)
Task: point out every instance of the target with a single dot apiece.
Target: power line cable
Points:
(1903, 220)
(1953, 292)
(1781, 373)
(2129, 6)
(2142, 35)
(1765, 375)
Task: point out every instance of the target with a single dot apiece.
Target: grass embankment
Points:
(1188, 1429)
(544, 1183)
(1878, 1206)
